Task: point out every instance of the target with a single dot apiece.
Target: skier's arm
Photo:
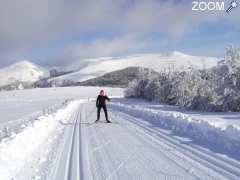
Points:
(107, 98)
(97, 101)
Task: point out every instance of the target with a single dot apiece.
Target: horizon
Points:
(107, 58)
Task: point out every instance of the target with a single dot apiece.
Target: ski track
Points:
(131, 149)
(185, 153)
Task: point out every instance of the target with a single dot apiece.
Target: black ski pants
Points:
(105, 111)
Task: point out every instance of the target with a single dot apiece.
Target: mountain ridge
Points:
(95, 67)
(86, 69)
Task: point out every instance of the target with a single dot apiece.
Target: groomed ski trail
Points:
(71, 157)
(128, 149)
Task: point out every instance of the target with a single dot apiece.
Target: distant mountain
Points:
(119, 78)
(21, 72)
(93, 68)
(27, 74)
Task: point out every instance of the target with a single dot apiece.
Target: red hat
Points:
(101, 92)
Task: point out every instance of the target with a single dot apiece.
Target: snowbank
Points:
(201, 132)
(22, 155)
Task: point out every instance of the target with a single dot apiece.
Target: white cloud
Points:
(25, 24)
(171, 17)
(27, 21)
(108, 47)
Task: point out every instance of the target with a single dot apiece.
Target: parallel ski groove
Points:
(78, 148)
(174, 162)
(220, 168)
(231, 162)
(68, 171)
(81, 164)
(93, 152)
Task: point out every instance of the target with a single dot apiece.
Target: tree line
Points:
(213, 89)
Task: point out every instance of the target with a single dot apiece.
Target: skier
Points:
(101, 103)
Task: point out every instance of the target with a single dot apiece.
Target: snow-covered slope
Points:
(91, 68)
(22, 71)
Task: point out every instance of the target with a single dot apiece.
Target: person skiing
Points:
(101, 103)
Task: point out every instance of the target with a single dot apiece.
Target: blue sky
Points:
(59, 31)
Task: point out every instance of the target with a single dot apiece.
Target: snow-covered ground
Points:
(210, 130)
(145, 140)
(17, 104)
(23, 156)
(217, 119)
(17, 107)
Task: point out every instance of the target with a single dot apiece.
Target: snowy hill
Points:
(22, 71)
(85, 69)
(92, 68)
(119, 78)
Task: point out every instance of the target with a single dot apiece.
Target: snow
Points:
(145, 141)
(215, 89)
(91, 68)
(22, 71)
(217, 119)
(121, 150)
(24, 148)
(28, 102)
(215, 133)
(28, 72)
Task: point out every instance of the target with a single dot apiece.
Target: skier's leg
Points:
(106, 114)
(98, 113)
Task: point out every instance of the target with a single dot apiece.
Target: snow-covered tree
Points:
(215, 89)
